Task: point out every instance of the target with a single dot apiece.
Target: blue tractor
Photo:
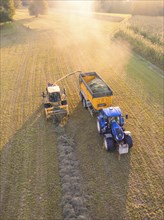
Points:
(110, 124)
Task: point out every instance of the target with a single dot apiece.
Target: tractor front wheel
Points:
(109, 144)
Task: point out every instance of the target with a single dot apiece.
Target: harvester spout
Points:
(69, 74)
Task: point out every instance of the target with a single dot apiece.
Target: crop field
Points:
(151, 24)
(145, 35)
(40, 161)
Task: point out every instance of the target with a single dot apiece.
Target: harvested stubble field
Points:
(37, 50)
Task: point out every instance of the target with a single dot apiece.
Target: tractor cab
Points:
(108, 116)
(110, 123)
(114, 122)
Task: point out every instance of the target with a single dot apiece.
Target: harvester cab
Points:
(110, 123)
(55, 95)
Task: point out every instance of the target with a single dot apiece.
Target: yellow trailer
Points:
(94, 92)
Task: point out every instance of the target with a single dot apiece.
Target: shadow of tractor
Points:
(105, 176)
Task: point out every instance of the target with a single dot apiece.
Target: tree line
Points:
(36, 7)
(7, 8)
(137, 7)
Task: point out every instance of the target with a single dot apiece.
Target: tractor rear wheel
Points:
(109, 144)
(129, 140)
(99, 127)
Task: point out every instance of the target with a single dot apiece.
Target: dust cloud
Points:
(88, 35)
(75, 5)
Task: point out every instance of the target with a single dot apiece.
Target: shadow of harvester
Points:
(30, 186)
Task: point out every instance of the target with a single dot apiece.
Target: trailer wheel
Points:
(99, 127)
(84, 103)
(129, 140)
(109, 144)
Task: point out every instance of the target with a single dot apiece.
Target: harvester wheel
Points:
(64, 102)
(84, 103)
(47, 105)
(81, 97)
(129, 140)
(109, 144)
(99, 127)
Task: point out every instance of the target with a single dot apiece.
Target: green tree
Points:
(38, 7)
(7, 10)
